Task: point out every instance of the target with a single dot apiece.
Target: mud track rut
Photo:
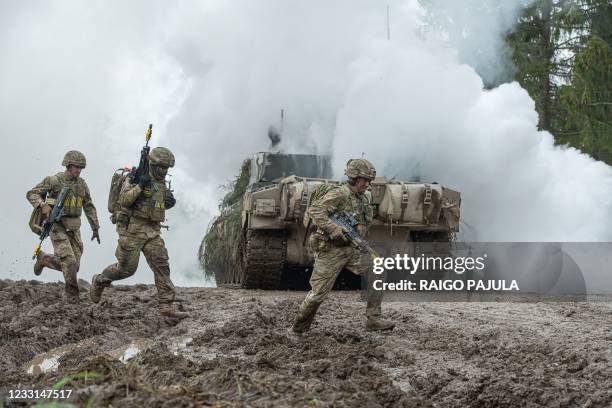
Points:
(234, 351)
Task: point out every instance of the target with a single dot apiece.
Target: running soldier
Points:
(143, 208)
(333, 251)
(65, 235)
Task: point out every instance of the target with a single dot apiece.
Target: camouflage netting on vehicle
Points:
(215, 254)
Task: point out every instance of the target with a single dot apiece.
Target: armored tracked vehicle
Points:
(258, 240)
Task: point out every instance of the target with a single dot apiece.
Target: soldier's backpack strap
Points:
(57, 183)
(317, 193)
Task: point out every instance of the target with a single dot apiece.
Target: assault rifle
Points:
(56, 215)
(348, 223)
(143, 167)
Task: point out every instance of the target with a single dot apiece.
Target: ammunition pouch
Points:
(120, 218)
(73, 206)
(151, 203)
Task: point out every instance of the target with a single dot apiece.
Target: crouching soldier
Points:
(333, 251)
(65, 235)
(142, 210)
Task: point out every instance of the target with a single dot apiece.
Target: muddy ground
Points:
(234, 351)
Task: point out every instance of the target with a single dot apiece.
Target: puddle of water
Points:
(40, 364)
(49, 361)
(179, 344)
(129, 351)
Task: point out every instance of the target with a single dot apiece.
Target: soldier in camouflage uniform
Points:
(333, 251)
(65, 235)
(143, 209)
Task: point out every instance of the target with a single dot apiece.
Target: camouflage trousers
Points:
(128, 254)
(328, 264)
(67, 252)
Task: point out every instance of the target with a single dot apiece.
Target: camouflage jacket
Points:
(77, 200)
(343, 198)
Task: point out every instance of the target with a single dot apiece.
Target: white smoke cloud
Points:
(212, 76)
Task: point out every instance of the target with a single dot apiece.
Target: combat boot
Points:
(39, 264)
(373, 313)
(375, 323)
(95, 290)
(304, 319)
(43, 260)
(167, 310)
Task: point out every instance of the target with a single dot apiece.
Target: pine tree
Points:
(536, 45)
(585, 103)
(563, 58)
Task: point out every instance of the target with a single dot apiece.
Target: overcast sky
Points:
(212, 76)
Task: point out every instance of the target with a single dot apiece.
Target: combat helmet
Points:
(360, 168)
(75, 158)
(161, 156)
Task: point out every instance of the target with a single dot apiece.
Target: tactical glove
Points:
(338, 235)
(362, 230)
(169, 200)
(145, 180)
(95, 235)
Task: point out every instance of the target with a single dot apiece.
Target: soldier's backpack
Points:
(36, 220)
(317, 193)
(113, 195)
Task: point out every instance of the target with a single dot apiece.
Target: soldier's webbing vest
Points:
(151, 205)
(73, 204)
(359, 205)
